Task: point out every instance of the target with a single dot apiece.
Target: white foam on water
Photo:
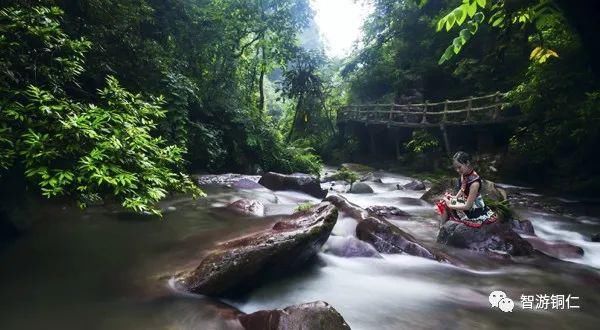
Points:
(552, 230)
(363, 290)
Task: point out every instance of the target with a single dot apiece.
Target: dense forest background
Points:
(107, 99)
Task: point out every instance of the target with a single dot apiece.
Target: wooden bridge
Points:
(482, 110)
(471, 111)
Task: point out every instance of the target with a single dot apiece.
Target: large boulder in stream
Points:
(387, 238)
(495, 237)
(299, 182)
(241, 264)
(361, 188)
(317, 315)
(247, 207)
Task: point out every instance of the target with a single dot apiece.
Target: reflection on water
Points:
(103, 270)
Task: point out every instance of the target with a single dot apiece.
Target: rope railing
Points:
(472, 110)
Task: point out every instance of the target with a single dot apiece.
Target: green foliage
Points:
(502, 208)
(422, 141)
(344, 174)
(525, 15)
(304, 207)
(303, 84)
(88, 151)
(458, 16)
(399, 60)
(300, 158)
(558, 136)
(35, 49)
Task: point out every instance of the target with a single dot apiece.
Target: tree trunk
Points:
(296, 111)
(263, 68)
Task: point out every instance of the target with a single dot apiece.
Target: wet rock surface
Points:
(241, 264)
(559, 250)
(388, 212)
(414, 185)
(387, 238)
(350, 247)
(245, 183)
(522, 226)
(361, 188)
(347, 207)
(247, 207)
(316, 315)
(490, 237)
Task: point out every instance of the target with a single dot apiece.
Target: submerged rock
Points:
(317, 315)
(241, 264)
(595, 237)
(247, 207)
(387, 238)
(298, 182)
(414, 185)
(361, 188)
(246, 183)
(561, 250)
(388, 212)
(491, 237)
(350, 247)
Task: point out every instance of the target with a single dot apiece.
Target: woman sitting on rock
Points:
(467, 205)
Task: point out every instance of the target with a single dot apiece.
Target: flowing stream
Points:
(104, 269)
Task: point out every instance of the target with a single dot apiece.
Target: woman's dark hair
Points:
(462, 158)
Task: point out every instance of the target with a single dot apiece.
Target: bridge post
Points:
(424, 120)
(445, 116)
(446, 140)
(469, 106)
(497, 108)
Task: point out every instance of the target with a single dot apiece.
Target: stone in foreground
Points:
(240, 265)
(317, 315)
(297, 182)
